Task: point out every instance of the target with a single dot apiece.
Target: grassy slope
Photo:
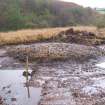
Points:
(20, 14)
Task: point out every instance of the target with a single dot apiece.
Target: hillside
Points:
(17, 14)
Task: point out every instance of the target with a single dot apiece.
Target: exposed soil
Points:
(55, 51)
(1, 101)
(70, 83)
(78, 37)
(7, 62)
(64, 82)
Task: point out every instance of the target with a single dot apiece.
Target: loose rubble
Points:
(45, 51)
(78, 37)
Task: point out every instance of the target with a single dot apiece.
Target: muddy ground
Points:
(68, 82)
(63, 82)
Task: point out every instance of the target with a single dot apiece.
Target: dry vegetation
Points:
(34, 35)
(26, 36)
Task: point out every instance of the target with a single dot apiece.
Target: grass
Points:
(27, 36)
(34, 35)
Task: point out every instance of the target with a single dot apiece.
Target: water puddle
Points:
(14, 91)
(102, 65)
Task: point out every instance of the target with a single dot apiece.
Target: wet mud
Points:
(68, 82)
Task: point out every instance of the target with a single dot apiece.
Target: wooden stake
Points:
(27, 68)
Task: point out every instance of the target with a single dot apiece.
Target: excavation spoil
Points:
(78, 37)
(54, 51)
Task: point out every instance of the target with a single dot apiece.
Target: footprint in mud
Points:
(6, 87)
(13, 99)
(8, 92)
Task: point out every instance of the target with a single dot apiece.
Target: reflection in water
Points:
(28, 90)
(102, 65)
(12, 87)
(28, 87)
(27, 79)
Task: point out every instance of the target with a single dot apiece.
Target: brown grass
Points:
(25, 36)
(33, 35)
